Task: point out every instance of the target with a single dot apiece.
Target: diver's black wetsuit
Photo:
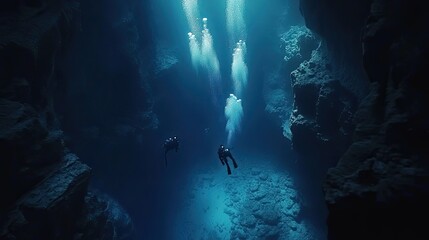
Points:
(223, 154)
(169, 144)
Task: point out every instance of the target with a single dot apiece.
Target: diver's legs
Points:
(233, 161)
(227, 167)
(222, 161)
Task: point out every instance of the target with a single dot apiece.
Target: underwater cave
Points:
(206, 120)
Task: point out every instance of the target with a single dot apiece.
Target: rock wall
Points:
(340, 23)
(50, 210)
(322, 117)
(106, 72)
(31, 142)
(379, 189)
(103, 218)
(326, 85)
(105, 99)
(44, 186)
(297, 45)
(321, 125)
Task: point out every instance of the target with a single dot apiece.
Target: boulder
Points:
(103, 218)
(51, 209)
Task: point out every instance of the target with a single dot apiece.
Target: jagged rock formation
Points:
(321, 122)
(31, 142)
(316, 109)
(327, 88)
(43, 184)
(297, 44)
(270, 208)
(326, 83)
(103, 218)
(50, 210)
(339, 23)
(379, 190)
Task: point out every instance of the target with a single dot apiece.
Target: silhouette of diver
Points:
(223, 154)
(169, 144)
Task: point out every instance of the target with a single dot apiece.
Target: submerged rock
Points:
(263, 176)
(254, 186)
(296, 46)
(339, 23)
(271, 217)
(247, 220)
(298, 43)
(321, 122)
(379, 188)
(251, 208)
(165, 58)
(50, 210)
(104, 218)
(256, 171)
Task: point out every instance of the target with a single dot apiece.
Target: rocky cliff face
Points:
(327, 81)
(31, 142)
(50, 209)
(379, 188)
(106, 88)
(323, 110)
(104, 99)
(328, 86)
(297, 45)
(44, 186)
(339, 23)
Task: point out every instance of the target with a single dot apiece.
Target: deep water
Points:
(194, 198)
(120, 119)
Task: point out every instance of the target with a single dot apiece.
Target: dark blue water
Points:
(194, 198)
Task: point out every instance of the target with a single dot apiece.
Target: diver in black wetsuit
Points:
(169, 144)
(223, 154)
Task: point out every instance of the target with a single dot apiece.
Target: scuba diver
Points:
(169, 144)
(223, 154)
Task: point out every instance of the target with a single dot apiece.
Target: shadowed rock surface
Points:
(379, 190)
(77, 76)
(321, 122)
(104, 98)
(44, 184)
(297, 45)
(31, 142)
(103, 218)
(51, 209)
(339, 23)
